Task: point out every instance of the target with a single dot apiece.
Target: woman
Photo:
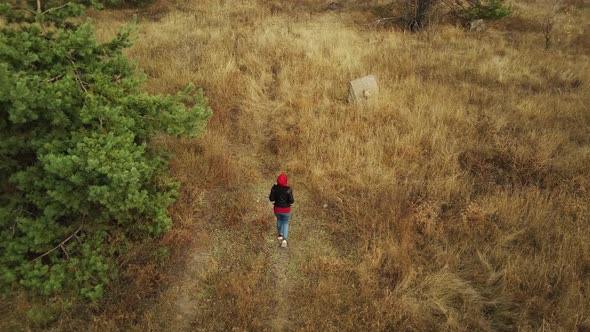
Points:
(282, 197)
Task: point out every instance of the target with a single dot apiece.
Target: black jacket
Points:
(282, 196)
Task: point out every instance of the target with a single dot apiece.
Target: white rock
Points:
(362, 89)
(476, 25)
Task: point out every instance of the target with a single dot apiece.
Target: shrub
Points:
(469, 10)
(77, 173)
(41, 316)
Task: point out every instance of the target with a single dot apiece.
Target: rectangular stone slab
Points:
(362, 89)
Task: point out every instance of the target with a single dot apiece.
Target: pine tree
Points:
(78, 177)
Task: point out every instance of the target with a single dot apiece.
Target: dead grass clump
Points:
(284, 135)
(520, 24)
(487, 165)
(205, 162)
(490, 167)
(159, 8)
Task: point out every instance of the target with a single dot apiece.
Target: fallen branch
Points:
(386, 19)
(61, 245)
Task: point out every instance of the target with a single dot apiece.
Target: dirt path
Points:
(262, 292)
(186, 303)
(307, 237)
(280, 262)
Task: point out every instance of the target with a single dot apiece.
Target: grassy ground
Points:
(456, 200)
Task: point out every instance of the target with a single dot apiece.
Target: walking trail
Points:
(200, 299)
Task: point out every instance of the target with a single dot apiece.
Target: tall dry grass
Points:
(461, 191)
(458, 199)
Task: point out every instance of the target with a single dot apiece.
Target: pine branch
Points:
(55, 78)
(61, 245)
(39, 12)
(55, 8)
(77, 77)
(26, 9)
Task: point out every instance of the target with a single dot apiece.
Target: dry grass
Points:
(458, 200)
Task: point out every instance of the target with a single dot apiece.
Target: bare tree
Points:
(419, 12)
(413, 14)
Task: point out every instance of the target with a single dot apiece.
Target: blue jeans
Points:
(283, 223)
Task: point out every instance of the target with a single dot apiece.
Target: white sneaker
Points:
(280, 238)
(284, 244)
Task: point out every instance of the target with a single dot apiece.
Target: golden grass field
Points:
(457, 200)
